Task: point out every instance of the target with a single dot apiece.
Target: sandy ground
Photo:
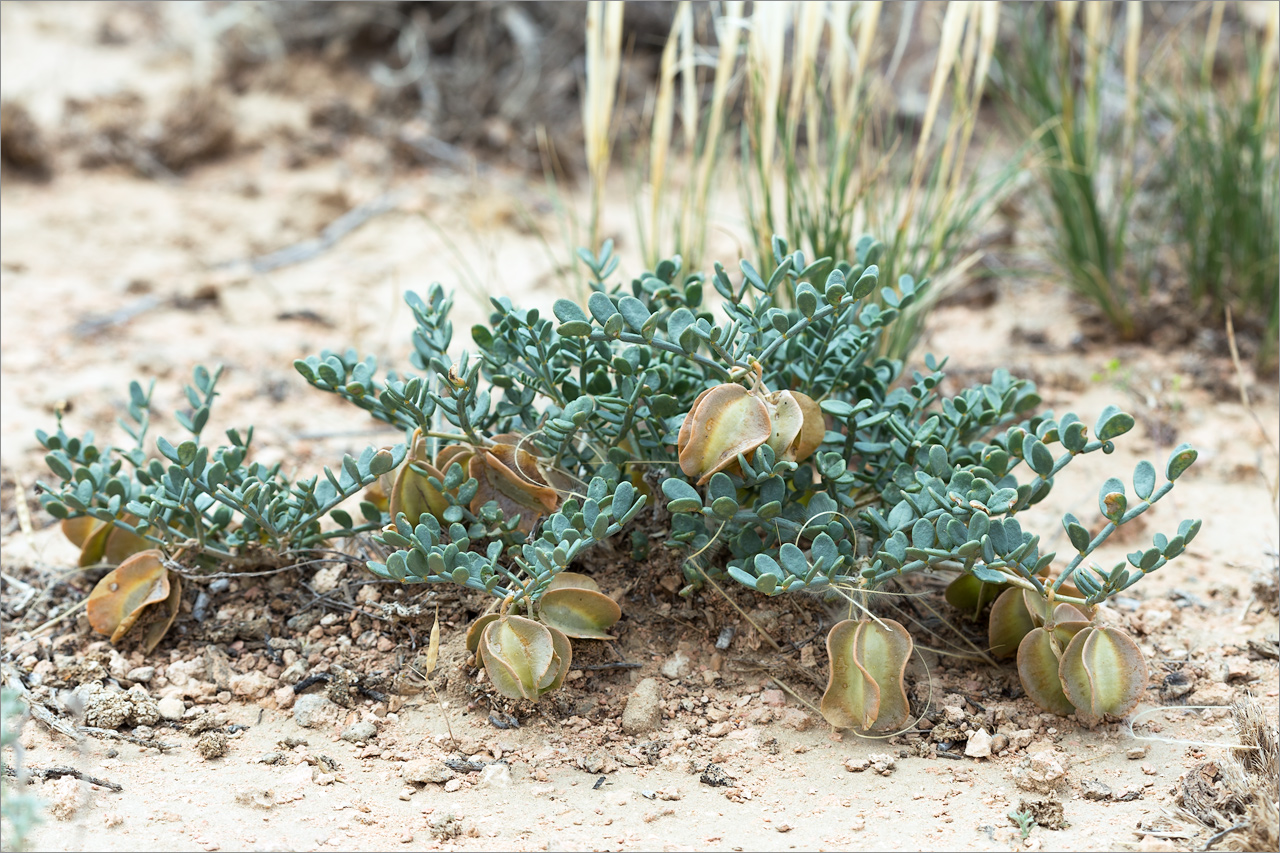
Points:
(107, 276)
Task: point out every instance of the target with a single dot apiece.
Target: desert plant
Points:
(822, 469)
(1053, 79)
(126, 507)
(20, 810)
(1223, 172)
(819, 473)
(825, 160)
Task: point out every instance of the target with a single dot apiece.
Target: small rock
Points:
(1148, 770)
(882, 763)
(359, 732)
(212, 744)
(1046, 811)
(676, 666)
(1021, 739)
(421, 771)
(643, 713)
(999, 743)
(772, 698)
(979, 745)
(1040, 772)
(285, 697)
(1136, 753)
(171, 708)
(720, 729)
(858, 824)
(1095, 789)
(310, 709)
(593, 763)
(252, 685)
(452, 785)
(954, 714)
(797, 719)
(294, 672)
(856, 765)
(106, 710)
(142, 674)
(495, 776)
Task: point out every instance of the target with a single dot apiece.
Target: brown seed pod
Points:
(524, 658)
(126, 592)
(574, 604)
(1103, 672)
(866, 689)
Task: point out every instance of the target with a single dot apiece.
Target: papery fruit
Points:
(969, 595)
(866, 690)
(127, 592)
(574, 604)
(100, 542)
(729, 420)
(725, 420)
(1017, 611)
(1103, 672)
(524, 658)
(1038, 672)
(411, 491)
(509, 474)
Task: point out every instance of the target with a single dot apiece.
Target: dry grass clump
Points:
(1235, 799)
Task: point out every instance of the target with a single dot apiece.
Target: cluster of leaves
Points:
(213, 502)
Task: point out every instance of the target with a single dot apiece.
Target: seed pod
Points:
(797, 425)
(728, 420)
(1038, 672)
(865, 690)
(411, 491)
(127, 592)
(1017, 611)
(509, 474)
(969, 595)
(574, 604)
(524, 658)
(100, 542)
(1103, 672)
(725, 420)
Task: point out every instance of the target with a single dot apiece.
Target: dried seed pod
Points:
(797, 425)
(866, 690)
(126, 592)
(728, 420)
(968, 594)
(1103, 672)
(1038, 671)
(574, 604)
(100, 542)
(524, 658)
(1017, 611)
(411, 491)
(725, 420)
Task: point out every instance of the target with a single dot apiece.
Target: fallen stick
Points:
(59, 772)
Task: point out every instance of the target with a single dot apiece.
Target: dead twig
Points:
(332, 233)
(59, 772)
(114, 735)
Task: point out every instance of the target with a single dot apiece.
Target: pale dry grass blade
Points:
(660, 139)
(1211, 42)
(731, 30)
(948, 48)
(604, 65)
(1132, 43)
